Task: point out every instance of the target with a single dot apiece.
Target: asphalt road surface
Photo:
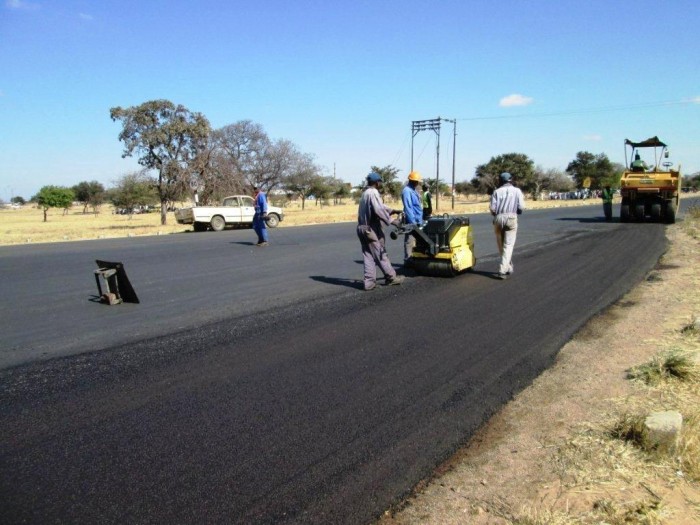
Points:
(261, 385)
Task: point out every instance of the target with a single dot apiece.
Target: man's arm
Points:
(521, 201)
(381, 210)
(408, 205)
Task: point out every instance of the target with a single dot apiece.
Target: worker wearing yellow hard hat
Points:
(412, 210)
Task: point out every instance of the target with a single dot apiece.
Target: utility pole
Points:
(454, 151)
(433, 125)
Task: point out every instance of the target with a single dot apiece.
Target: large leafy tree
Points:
(167, 138)
(53, 197)
(214, 175)
(519, 165)
(89, 194)
(597, 169)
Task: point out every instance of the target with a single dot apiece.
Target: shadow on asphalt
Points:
(338, 281)
(587, 219)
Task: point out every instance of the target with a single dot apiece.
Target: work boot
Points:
(398, 279)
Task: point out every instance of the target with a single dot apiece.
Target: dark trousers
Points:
(607, 209)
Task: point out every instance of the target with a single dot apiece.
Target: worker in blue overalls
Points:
(412, 211)
(260, 217)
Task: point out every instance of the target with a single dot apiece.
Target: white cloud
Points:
(515, 99)
(20, 4)
(85, 16)
(695, 100)
(593, 138)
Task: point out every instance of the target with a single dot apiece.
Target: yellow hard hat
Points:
(415, 176)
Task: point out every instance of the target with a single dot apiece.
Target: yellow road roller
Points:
(444, 245)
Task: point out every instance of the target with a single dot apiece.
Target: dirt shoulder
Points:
(549, 458)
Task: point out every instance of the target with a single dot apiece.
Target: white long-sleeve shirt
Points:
(507, 200)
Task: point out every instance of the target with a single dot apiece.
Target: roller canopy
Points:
(653, 142)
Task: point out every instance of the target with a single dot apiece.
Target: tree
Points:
(560, 181)
(53, 197)
(464, 188)
(389, 174)
(273, 164)
(596, 169)
(18, 200)
(89, 194)
(166, 138)
(133, 190)
(323, 188)
(692, 181)
(518, 165)
(213, 174)
(342, 191)
(305, 178)
(544, 179)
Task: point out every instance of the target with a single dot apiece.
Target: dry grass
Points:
(566, 450)
(672, 364)
(26, 225)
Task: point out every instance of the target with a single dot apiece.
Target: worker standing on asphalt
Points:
(427, 203)
(371, 214)
(259, 218)
(507, 202)
(412, 210)
(607, 196)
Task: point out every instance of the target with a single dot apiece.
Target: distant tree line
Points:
(183, 157)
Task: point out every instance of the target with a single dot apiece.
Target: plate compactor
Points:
(444, 245)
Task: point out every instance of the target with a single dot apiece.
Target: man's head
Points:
(414, 179)
(374, 179)
(256, 190)
(505, 177)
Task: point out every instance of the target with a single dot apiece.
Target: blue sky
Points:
(344, 80)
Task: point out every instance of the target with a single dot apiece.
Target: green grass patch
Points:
(673, 364)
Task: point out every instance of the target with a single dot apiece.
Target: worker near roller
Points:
(638, 164)
(260, 216)
(371, 213)
(427, 203)
(412, 210)
(607, 196)
(507, 202)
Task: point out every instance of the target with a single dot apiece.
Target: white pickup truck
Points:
(237, 210)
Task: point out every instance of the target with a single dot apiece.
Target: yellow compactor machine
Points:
(649, 190)
(444, 245)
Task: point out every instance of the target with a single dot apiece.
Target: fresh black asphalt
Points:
(261, 385)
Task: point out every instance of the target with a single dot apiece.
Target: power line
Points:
(584, 111)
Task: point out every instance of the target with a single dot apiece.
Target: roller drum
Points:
(434, 267)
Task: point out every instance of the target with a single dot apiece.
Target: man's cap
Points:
(415, 176)
(374, 177)
(505, 176)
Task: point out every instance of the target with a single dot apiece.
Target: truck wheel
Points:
(272, 220)
(200, 227)
(639, 212)
(625, 213)
(217, 223)
(670, 212)
(656, 211)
